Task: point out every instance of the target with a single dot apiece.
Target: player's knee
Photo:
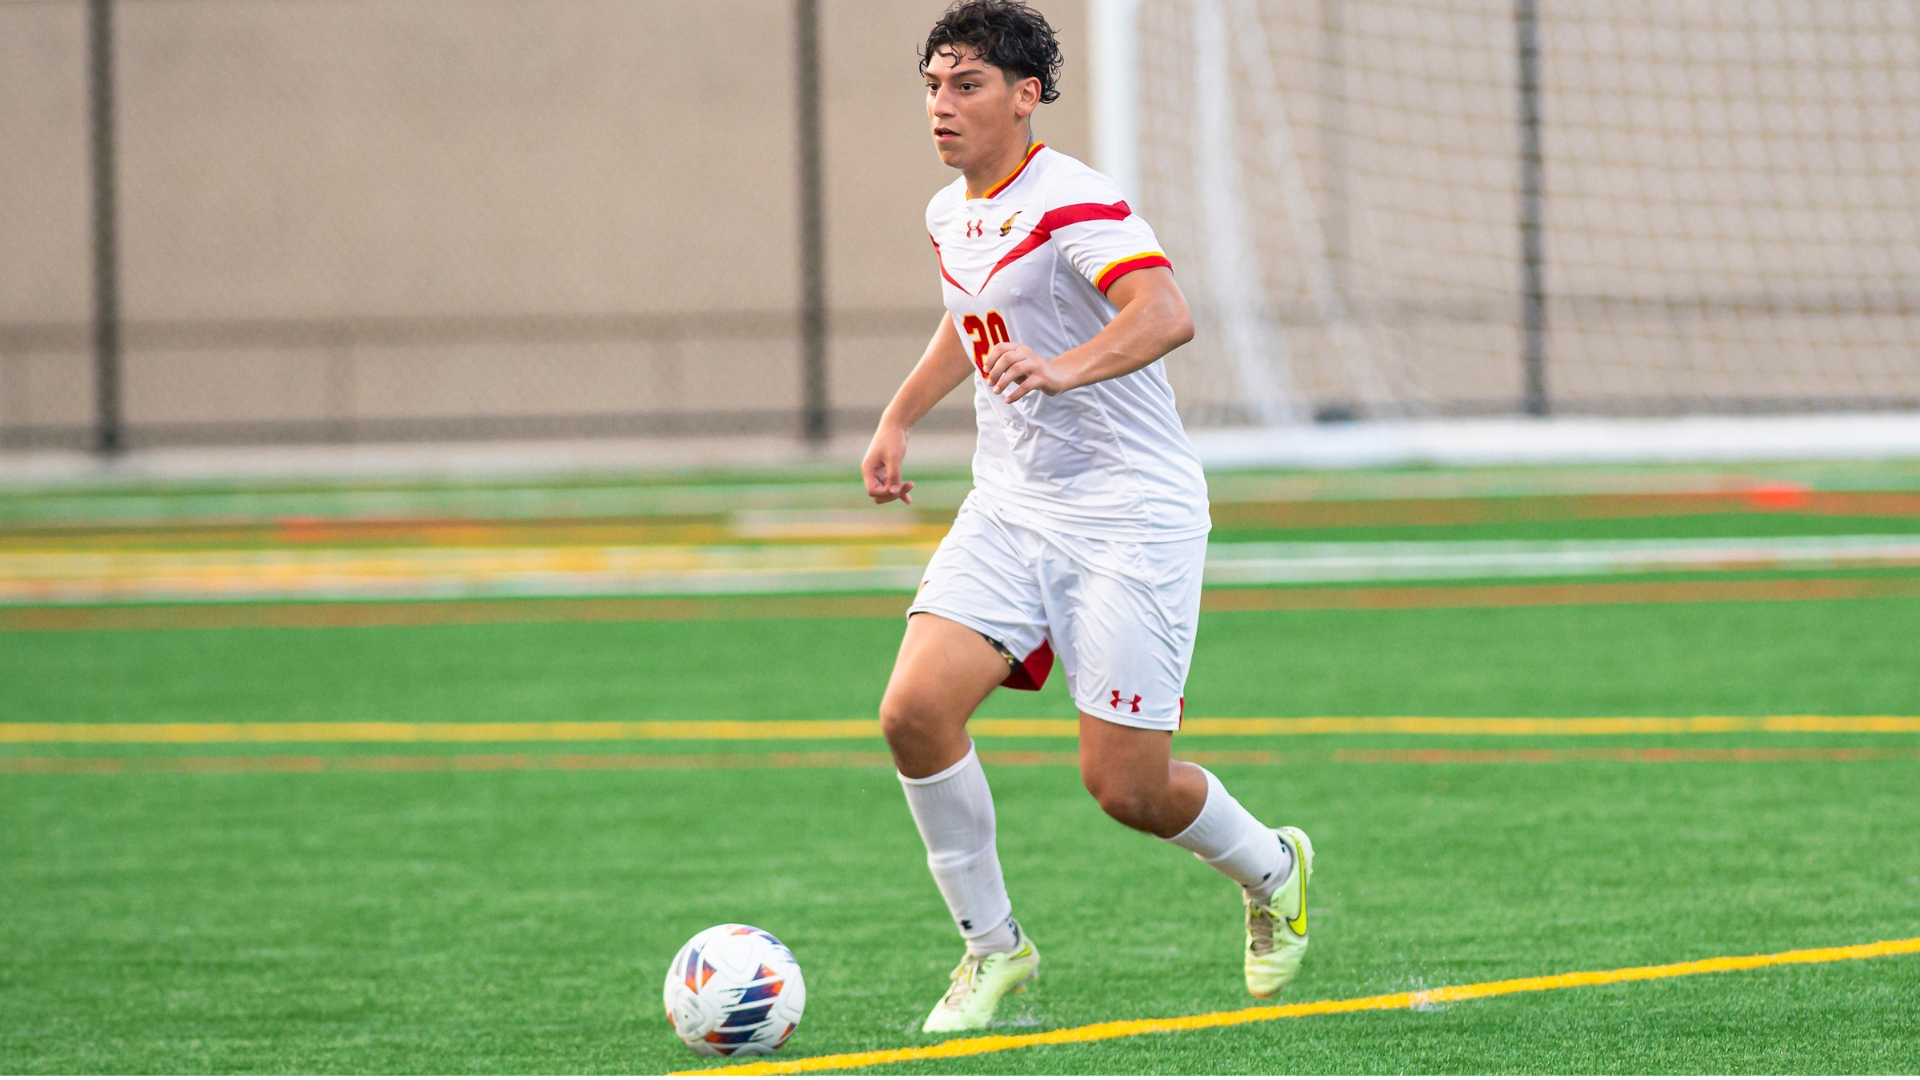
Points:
(905, 720)
(1120, 801)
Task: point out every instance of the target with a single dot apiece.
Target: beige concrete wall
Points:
(404, 218)
(336, 211)
(43, 215)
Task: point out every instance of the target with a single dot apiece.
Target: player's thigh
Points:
(1125, 628)
(944, 671)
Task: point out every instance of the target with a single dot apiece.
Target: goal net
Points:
(1387, 208)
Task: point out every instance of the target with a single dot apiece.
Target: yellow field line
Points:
(1119, 1029)
(768, 730)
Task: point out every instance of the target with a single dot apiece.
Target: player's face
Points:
(975, 111)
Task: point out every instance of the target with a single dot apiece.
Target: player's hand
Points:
(881, 469)
(1014, 371)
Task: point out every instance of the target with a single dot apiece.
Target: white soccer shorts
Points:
(1121, 616)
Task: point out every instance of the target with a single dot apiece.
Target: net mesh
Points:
(1729, 214)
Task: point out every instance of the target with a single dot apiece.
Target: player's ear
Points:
(1026, 97)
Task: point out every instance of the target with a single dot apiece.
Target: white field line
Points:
(668, 570)
(1283, 563)
(1510, 441)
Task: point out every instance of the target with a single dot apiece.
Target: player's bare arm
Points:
(1153, 321)
(941, 368)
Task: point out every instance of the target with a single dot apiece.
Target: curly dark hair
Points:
(1006, 34)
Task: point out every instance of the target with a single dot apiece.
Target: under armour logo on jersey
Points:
(1117, 702)
(977, 228)
(1007, 225)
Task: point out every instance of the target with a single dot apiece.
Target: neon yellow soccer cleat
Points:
(1277, 930)
(978, 985)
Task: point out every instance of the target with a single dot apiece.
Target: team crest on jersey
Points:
(1007, 225)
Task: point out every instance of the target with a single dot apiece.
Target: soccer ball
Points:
(734, 991)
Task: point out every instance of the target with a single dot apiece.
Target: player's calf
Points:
(1158, 809)
(1129, 772)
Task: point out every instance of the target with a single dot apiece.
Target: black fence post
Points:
(1533, 197)
(815, 420)
(107, 436)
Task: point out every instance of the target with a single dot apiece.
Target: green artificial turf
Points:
(1838, 657)
(517, 922)
(521, 922)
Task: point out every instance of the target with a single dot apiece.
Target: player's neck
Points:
(988, 175)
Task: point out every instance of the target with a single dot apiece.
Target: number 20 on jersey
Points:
(985, 336)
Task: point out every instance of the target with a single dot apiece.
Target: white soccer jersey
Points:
(1031, 261)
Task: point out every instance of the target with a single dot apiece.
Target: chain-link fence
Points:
(1627, 207)
(451, 219)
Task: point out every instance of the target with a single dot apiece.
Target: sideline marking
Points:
(792, 730)
(889, 561)
(410, 763)
(214, 615)
(1118, 1029)
(1428, 597)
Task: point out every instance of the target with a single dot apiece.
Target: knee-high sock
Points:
(954, 810)
(1234, 842)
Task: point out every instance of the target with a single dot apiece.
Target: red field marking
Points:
(1029, 757)
(421, 763)
(425, 763)
(64, 766)
(1779, 497)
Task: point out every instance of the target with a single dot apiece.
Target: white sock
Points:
(1234, 842)
(954, 810)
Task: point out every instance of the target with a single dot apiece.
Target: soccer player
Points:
(1086, 530)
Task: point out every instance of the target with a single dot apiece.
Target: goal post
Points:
(1429, 208)
(1113, 30)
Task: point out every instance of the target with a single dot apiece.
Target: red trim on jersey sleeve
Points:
(1059, 218)
(1015, 174)
(1031, 674)
(943, 266)
(1127, 266)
